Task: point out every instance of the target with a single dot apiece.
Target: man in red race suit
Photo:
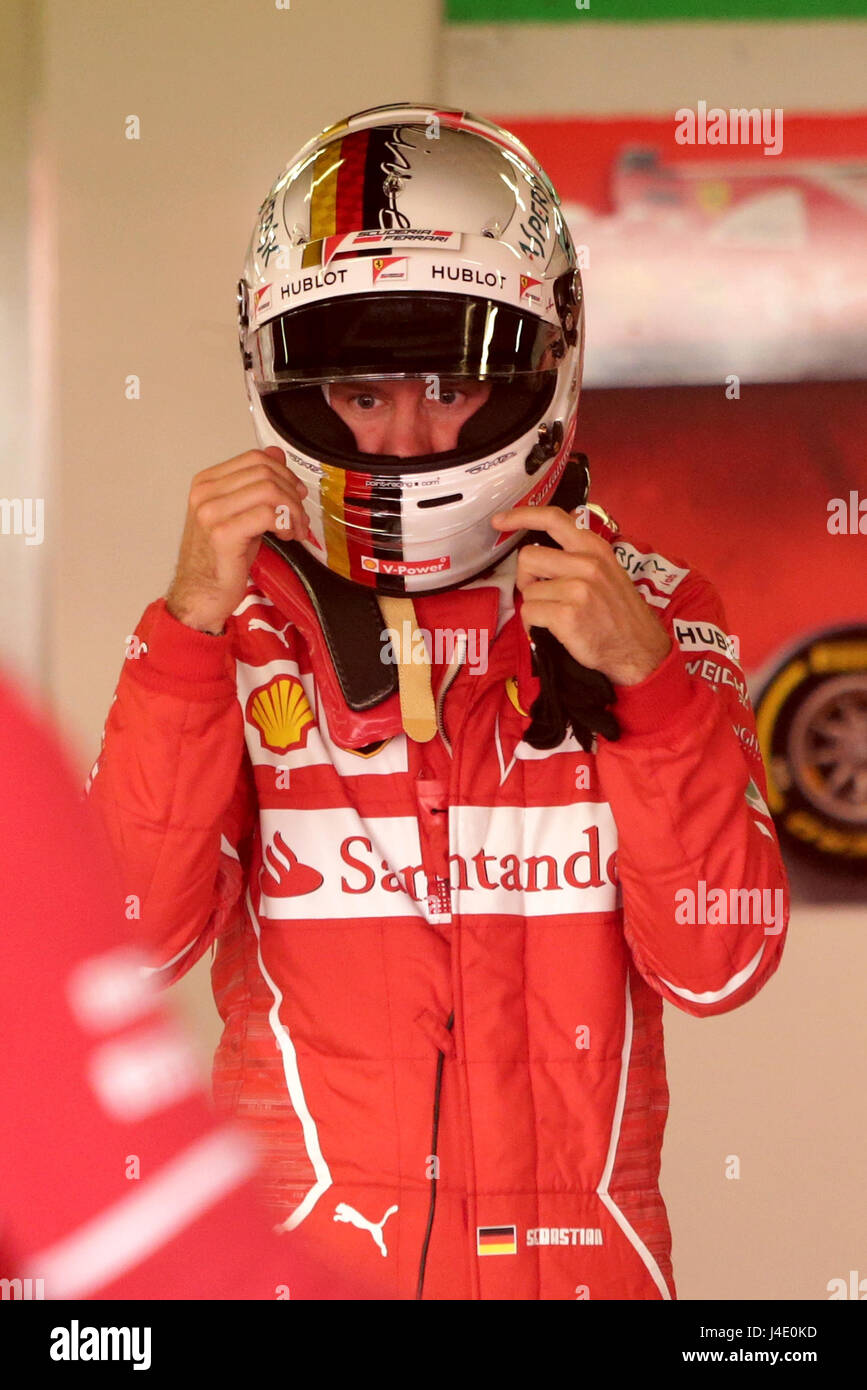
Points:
(455, 811)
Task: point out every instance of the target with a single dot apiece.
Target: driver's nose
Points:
(408, 432)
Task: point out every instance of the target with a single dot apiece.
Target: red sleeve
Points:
(115, 1179)
(173, 788)
(705, 893)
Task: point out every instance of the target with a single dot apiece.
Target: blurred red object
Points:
(116, 1180)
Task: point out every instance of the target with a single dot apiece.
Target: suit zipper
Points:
(448, 681)
(419, 1292)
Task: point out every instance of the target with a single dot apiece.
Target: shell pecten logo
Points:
(281, 712)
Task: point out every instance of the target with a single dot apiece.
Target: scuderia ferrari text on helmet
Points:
(414, 242)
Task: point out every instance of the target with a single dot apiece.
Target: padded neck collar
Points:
(342, 621)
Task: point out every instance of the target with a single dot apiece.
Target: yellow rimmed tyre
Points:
(811, 717)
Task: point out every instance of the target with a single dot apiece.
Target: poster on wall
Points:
(708, 267)
(700, 260)
(737, 283)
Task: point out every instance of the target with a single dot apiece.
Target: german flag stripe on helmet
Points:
(348, 504)
(332, 485)
(333, 129)
(348, 196)
(348, 178)
(351, 183)
(324, 200)
(340, 177)
(389, 507)
(360, 502)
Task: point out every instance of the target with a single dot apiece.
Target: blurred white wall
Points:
(151, 235)
(650, 69)
(23, 421)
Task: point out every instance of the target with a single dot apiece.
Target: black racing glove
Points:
(571, 696)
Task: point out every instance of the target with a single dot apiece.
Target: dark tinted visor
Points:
(396, 334)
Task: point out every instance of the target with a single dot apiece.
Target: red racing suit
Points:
(441, 967)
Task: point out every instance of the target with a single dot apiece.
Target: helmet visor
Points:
(324, 420)
(395, 334)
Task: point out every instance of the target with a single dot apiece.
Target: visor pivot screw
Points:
(297, 236)
(392, 184)
(243, 317)
(548, 443)
(492, 229)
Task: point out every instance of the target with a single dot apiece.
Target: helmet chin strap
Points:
(351, 618)
(417, 708)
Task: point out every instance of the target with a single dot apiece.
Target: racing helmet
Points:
(414, 242)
